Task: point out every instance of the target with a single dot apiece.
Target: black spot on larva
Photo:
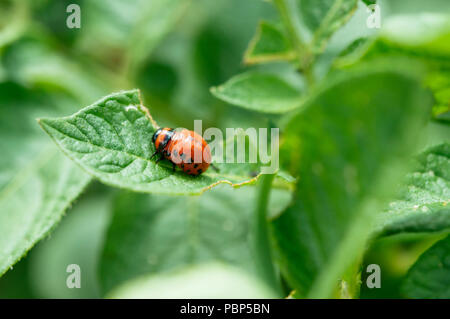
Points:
(195, 165)
(182, 165)
(199, 170)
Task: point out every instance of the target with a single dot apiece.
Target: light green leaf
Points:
(36, 183)
(112, 140)
(269, 44)
(263, 92)
(324, 17)
(346, 146)
(167, 233)
(207, 281)
(424, 204)
(429, 277)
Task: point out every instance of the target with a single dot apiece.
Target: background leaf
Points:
(36, 183)
(261, 92)
(324, 17)
(77, 240)
(344, 146)
(167, 233)
(424, 204)
(429, 277)
(269, 44)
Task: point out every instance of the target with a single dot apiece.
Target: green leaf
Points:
(269, 44)
(207, 281)
(429, 277)
(324, 17)
(424, 204)
(346, 146)
(112, 140)
(36, 182)
(167, 233)
(263, 92)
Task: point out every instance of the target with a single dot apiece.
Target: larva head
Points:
(161, 137)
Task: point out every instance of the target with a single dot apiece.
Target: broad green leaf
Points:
(429, 277)
(77, 240)
(263, 92)
(167, 233)
(207, 281)
(346, 146)
(36, 182)
(112, 140)
(269, 44)
(424, 204)
(324, 17)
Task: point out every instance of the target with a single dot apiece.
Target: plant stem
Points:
(290, 21)
(260, 235)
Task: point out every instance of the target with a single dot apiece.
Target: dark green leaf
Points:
(369, 2)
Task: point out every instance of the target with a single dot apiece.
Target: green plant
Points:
(364, 153)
